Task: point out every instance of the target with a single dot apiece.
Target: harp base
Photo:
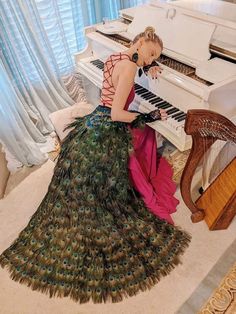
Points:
(198, 216)
(219, 199)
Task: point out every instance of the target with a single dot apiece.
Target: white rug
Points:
(165, 298)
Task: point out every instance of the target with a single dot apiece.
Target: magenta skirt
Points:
(151, 175)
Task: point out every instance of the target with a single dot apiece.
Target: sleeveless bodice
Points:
(130, 98)
(108, 89)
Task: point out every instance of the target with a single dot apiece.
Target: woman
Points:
(93, 237)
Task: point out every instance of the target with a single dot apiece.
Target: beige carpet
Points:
(165, 298)
(223, 300)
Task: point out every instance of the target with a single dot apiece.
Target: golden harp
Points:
(217, 204)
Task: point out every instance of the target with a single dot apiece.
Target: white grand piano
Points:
(198, 60)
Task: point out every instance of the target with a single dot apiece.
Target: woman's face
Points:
(148, 51)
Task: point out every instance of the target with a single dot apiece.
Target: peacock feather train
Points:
(92, 236)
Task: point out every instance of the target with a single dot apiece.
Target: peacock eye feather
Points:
(93, 238)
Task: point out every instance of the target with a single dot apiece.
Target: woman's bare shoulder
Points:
(127, 66)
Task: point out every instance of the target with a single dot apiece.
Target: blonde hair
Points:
(149, 35)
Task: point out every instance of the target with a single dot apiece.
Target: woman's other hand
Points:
(154, 71)
(163, 114)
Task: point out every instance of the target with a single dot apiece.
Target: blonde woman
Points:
(103, 231)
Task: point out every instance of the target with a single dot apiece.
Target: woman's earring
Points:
(135, 57)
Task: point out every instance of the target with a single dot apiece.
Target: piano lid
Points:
(216, 70)
(218, 8)
(220, 13)
(181, 34)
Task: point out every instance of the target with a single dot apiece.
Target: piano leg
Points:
(159, 140)
(92, 92)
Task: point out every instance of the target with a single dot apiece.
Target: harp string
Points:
(206, 127)
(210, 130)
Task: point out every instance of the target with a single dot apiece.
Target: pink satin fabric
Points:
(151, 174)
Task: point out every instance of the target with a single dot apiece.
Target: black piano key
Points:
(172, 110)
(149, 97)
(153, 95)
(138, 90)
(145, 94)
(98, 65)
(165, 106)
(137, 87)
(171, 115)
(148, 94)
(155, 100)
(181, 119)
(161, 106)
(178, 114)
(142, 91)
(169, 105)
(145, 90)
(162, 103)
(96, 62)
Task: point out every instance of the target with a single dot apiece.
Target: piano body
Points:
(197, 72)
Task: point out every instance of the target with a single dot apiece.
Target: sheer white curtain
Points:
(16, 125)
(31, 86)
(38, 39)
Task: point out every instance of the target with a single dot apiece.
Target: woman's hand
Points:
(163, 114)
(152, 116)
(157, 114)
(154, 71)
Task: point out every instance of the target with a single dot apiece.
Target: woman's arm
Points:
(125, 82)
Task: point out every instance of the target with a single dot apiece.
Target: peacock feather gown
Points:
(93, 237)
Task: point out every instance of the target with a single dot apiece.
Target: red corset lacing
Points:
(108, 89)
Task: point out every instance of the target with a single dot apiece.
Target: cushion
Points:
(65, 116)
(4, 172)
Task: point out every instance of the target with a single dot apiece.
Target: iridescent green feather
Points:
(92, 237)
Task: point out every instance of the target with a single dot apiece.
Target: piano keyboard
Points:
(98, 63)
(175, 116)
(150, 101)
